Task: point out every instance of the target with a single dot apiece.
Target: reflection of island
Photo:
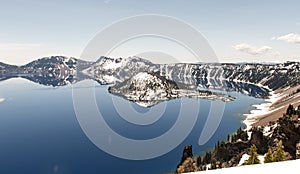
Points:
(192, 80)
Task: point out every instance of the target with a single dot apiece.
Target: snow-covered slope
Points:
(53, 71)
(146, 89)
(273, 168)
(250, 79)
(117, 69)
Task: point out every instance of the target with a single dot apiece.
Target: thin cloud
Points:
(18, 46)
(2, 100)
(253, 50)
(107, 1)
(291, 38)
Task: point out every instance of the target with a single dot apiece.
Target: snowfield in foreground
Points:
(272, 168)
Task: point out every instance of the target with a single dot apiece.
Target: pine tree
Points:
(269, 156)
(278, 155)
(199, 160)
(290, 110)
(188, 165)
(253, 159)
(207, 158)
(213, 164)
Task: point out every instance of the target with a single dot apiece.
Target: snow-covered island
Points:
(148, 88)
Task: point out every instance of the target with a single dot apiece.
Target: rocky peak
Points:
(149, 88)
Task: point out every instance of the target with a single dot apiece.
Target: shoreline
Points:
(272, 108)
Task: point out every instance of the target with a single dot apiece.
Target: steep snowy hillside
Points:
(108, 70)
(208, 75)
(248, 78)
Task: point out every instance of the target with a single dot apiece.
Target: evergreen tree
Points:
(213, 164)
(207, 158)
(278, 155)
(290, 110)
(234, 138)
(199, 160)
(253, 159)
(269, 156)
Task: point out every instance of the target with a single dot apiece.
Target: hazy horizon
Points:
(157, 62)
(237, 31)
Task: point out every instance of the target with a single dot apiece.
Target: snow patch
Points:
(142, 76)
(261, 159)
(244, 158)
(208, 166)
(261, 109)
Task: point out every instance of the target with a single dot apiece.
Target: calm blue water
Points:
(39, 132)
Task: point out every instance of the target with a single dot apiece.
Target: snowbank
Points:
(261, 109)
(274, 168)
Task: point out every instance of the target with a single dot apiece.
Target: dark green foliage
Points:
(278, 155)
(259, 140)
(227, 154)
(253, 159)
(207, 158)
(226, 151)
(240, 134)
(269, 156)
(199, 160)
(290, 110)
(213, 164)
(289, 133)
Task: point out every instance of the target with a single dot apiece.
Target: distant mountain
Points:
(274, 76)
(248, 78)
(149, 88)
(55, 64)
(108, 70)
(5, 67)
(6, 71)
(50, 71)
(251, 79)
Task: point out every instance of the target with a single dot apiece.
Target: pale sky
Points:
(238, 31)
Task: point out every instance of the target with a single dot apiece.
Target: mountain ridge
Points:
(254, 79)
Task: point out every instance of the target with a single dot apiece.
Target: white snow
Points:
(249, 134)
(261, 159)
(246, 157)
(247, 67)
(261, 109)
(272, 168)
(243, 159)
(208, 166)
(266, 130)
(111, 65)
(108, 79)
(142, 76)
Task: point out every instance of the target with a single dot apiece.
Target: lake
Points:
(40, 132)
